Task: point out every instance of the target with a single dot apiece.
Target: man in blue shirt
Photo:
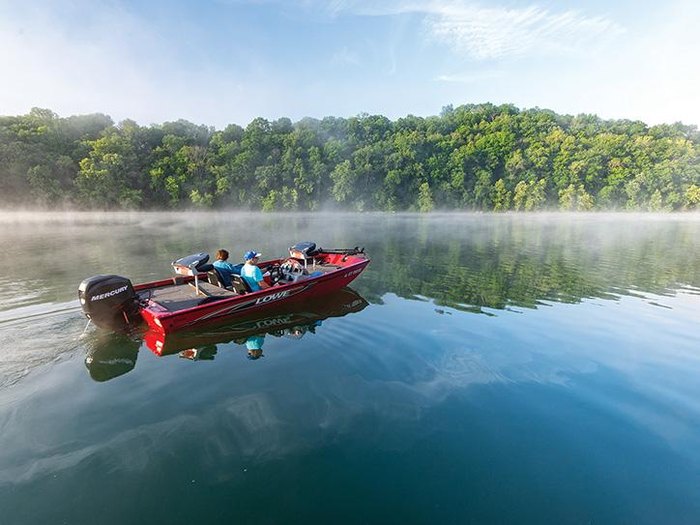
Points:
(225, 268)
(251, 273)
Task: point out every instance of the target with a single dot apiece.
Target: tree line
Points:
(475, 157)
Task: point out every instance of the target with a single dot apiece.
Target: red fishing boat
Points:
(195, 296)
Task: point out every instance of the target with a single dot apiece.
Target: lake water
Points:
(484, 368)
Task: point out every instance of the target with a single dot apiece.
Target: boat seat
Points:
(239, 285)
(214, 278)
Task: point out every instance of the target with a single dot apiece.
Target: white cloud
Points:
(489, 33)
(482, 33)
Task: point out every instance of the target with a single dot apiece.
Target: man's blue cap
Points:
(251, 254)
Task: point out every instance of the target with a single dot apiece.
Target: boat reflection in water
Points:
(111, 355)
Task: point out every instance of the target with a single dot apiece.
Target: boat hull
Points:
(273, 320)
(217, 309)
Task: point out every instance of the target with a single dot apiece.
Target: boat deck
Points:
(178, 297)
(181, 296)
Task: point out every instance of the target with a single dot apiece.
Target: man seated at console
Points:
(251, 273)
(225, 268)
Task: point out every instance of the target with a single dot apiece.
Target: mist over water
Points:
(508, 368)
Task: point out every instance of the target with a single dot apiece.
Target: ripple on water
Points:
(35, 340)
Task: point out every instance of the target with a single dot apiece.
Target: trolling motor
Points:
(347, 251)
(309, 250)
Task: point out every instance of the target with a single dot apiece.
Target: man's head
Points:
(255, 354)
(221, 255)
(251, 255)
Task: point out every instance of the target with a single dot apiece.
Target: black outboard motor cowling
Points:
(109, 300)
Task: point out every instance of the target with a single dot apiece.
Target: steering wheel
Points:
(275, 273)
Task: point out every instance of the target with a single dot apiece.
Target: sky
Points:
(220, 62)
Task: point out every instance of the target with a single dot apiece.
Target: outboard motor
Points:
(109, 301)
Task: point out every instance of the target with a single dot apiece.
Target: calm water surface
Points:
(504, 369)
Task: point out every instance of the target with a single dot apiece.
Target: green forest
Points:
(472, 157)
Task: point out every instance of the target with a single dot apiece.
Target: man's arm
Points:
(258, 276)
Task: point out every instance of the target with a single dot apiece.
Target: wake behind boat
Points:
(196, 296)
